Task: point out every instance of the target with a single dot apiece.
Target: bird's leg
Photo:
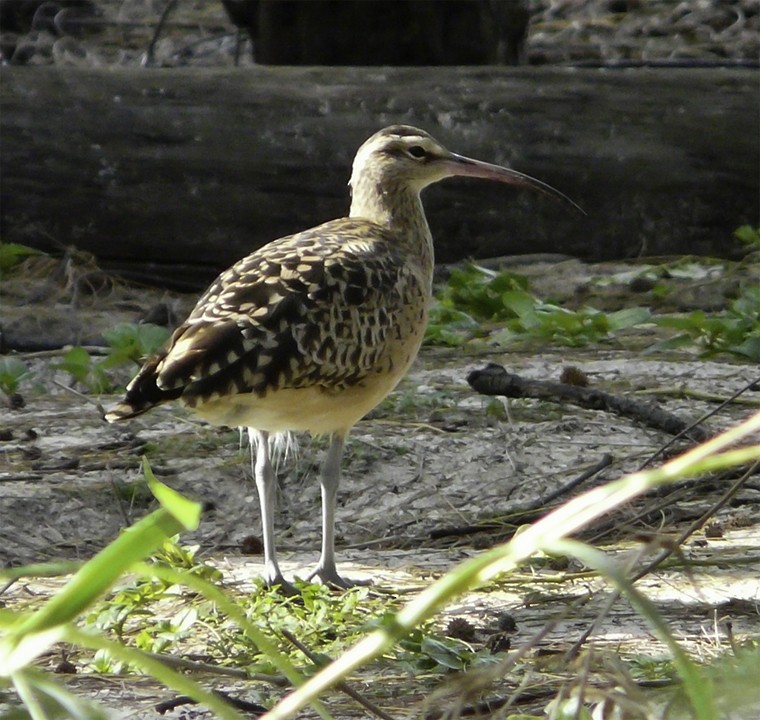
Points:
(326, 570)
(267, 488)
(329, 480)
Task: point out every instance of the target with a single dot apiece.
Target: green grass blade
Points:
(186, 511)
(560, 523)
(26, 691)
(699, 691)
(19, 649)
(31, 684)
(51, 569)
(229, 607)
(151, 666)
(97, 575)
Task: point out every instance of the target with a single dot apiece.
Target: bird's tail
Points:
(143, 393)
(126, 409)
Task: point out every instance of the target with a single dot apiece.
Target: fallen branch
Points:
(181, 663)
(495, 380)
(253, 709)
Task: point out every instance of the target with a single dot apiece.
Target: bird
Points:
(313, 330)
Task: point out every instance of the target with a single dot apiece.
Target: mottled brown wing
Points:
(316, 308)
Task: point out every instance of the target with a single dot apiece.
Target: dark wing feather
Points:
(316, 308)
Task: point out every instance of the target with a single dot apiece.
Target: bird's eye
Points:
(417, 151)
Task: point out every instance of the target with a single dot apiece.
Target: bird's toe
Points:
(331, 578)
(282, 586)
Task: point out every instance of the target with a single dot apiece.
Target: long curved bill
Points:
(462, 166)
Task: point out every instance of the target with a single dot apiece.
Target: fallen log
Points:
(171, 175)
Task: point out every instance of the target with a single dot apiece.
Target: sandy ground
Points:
(433, 456)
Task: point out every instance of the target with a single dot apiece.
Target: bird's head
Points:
(401, 156)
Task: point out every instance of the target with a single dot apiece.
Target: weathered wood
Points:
(174, 174)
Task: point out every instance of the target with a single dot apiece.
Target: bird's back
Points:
(307, 333)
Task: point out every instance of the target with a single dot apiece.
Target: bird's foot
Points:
(330, 577)
(283, 586)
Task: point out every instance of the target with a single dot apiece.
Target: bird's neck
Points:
(399, 210)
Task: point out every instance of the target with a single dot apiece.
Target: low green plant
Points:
(137, 600)
(12, 254)
(12, 372)
(537, 320)
(85, 370)
(750, 236)
(427, 652)
(26, 636)
(128, 343)
(476, 302)
(29, 635)
(652, 668)
(480, 292)
(735, 331)
(475, 297)
(449, 327)
(133, 342)
(157, 616)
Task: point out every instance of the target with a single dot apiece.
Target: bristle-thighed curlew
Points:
(313, 330)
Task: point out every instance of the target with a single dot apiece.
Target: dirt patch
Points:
(433, 456)
(449, 464)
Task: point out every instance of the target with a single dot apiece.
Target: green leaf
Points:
(76, 362)
(12, 372)
(51, 569)
(11, 254)
(80, 365)
(627, 317)
(448, 656)
(522, 304)
(750, 348)
(132, 343)
(674, 343)
(151, 337)
(186, 511)
(747, 305)
(749, 235)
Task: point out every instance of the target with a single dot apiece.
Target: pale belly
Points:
(317, 409)
(310, 409)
